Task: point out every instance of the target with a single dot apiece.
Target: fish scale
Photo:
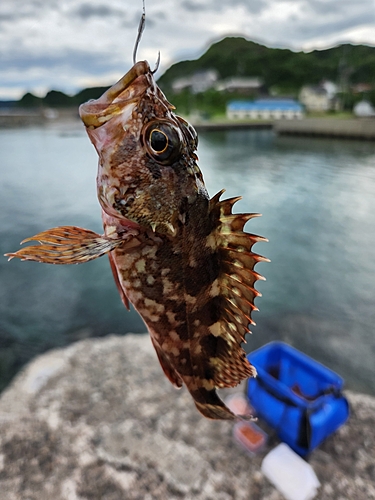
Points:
(182, 259)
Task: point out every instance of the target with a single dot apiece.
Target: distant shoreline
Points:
(329, 127)
(349, 128)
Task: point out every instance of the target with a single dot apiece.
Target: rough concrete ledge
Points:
(99, 421)
(351, 128)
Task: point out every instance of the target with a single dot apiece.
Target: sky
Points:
(68, 45)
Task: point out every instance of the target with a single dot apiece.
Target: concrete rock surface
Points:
(99, 421)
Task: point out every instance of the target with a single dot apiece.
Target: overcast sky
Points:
(71, 44)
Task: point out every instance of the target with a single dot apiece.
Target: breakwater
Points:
(232, 125)
(352, 128)
(16, 118)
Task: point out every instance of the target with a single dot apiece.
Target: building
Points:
(363, 109)
(198, 82)
(241, 85)
(264, 109)
(360, 88)
(319, 98)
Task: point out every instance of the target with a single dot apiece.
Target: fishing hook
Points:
(157, 64)
(141, 28)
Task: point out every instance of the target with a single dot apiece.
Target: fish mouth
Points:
(96, 112)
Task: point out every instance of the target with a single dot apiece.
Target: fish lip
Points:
(123, 221)
(96, 112)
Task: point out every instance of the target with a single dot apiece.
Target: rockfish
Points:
(181, 258)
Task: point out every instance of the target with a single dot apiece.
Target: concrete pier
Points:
(352, 128)
(232, 125)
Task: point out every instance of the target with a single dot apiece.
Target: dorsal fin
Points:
(236, 283)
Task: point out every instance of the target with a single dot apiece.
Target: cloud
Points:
(87, 10)
(62, 43)
(251, 6)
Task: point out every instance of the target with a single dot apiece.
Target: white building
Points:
(199, 82)
(241, 85)
(314, 98)
(363, 109)
(319, 97)
(264, 109)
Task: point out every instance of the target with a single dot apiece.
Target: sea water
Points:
(317, 197)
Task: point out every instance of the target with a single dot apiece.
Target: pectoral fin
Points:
(66, 245)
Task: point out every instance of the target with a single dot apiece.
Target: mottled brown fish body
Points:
(181, 259)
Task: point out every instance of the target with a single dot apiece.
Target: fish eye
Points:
(162, 140)
(158, 141)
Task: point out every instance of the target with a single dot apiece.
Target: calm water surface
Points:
(317, 198)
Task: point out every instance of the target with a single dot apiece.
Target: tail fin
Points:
(211, 406)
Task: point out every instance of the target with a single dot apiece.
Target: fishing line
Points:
(141, 28)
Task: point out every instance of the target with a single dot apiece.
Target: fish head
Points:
(147, 173)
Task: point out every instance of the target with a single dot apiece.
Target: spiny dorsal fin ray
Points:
(248, 276)
(231, 365)
(225, 206)
(215, 199)
(236, 282)
(66, 245)
(246, 305)
(240, 240)
(235, 222)
(238, 311)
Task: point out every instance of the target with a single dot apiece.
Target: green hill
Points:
(57, 99)
(281, 68)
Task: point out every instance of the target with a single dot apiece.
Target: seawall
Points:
(99, 420)
(353, 128)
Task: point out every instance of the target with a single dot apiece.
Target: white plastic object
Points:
(239, 404)
(290, 474)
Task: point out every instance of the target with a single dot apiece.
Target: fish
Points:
(181, 258)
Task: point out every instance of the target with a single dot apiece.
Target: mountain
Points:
(282, 71)
(57, 99)
(281, 68)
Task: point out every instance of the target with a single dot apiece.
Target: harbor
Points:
(329, 127)
(352, 128)
(349, 128)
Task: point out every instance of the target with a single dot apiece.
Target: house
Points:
(264, 109)
(198, 82)
(319, 97)
(360, 88)
(241, 85)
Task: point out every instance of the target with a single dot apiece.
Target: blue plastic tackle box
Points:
(297, 396)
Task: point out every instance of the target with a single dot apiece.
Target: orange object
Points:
(249, 436)
(252, 435)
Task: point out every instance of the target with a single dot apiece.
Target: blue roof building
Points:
(268, 109)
